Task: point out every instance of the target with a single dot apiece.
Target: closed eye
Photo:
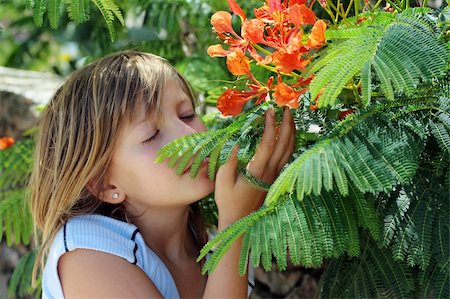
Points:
(188, 117)
(151, 138)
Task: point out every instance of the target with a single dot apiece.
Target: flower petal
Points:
(236, 9)
(285, 95)
(217, 51)
(287, 62)
(221, 22)
(238, 63)
(6, 142)
(301, 15)
(253, 30)
(317, 37)
(231, 102)
(299, 2)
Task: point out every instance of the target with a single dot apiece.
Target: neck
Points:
(167, 233)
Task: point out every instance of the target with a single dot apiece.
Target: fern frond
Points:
(358, 156)
(435, 283)
(15, 219)
(39, 8)
(441, 132)
(15, 167)
(108, 10)
(78, 10)
(20, 283)
(403, 53)
(54, 12)
(373, 274)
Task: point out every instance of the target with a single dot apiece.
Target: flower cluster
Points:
(6, 142)
(274, 39)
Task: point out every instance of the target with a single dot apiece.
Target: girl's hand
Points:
(235, 197)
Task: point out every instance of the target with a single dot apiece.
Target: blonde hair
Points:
(78, 132)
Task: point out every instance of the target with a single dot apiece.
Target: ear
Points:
(107, 193)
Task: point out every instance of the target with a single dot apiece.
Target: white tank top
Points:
(105, 234)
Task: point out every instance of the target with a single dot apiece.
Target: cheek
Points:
(199, 126)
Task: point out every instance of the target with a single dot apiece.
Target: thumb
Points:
(227, 172)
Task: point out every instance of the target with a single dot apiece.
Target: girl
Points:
(114, 222)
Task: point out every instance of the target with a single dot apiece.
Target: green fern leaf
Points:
(403, 52)
(367, 215)
(78, 10)
(108, 10)
(366, 83)
(441, 133)
(243, 258)
(54, 12)
(39, 8)
(20, 283)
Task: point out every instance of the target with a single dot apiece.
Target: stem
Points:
(257, 46)
(355, 92)
(270, 68)
(337, 15)
(377, 4)
(329, 12)
(356, 4)
(350, 6)
(425, 3)
(338, 11)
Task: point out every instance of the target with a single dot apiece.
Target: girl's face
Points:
(134, 172)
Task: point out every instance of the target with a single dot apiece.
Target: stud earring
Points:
(116, 195)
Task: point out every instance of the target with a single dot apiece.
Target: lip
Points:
(203, 164)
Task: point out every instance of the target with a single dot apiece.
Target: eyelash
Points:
(186, 118)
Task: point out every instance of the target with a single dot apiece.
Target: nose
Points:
(179, 128)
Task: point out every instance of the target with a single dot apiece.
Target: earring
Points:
(116, 195)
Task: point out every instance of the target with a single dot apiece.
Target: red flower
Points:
(287, 62)
(253, 30)
(236, 9)
(217, 51)
(345, 113)
(6, 142)
(232, 101)
(285, 95)
(301, 15)
(275, 37)
(237, 63)
(221, 22)
(317, 37)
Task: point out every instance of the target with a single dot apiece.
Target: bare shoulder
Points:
(88, 273)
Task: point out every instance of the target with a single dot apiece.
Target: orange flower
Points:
(237, 63)
(317, 37)
(232, 101)
(253, 30)
(301, 15)
(236, 9)
(287, 62)
(285, 95)
(299, 2)
(6, 142)
(217, 51)
(221, 22)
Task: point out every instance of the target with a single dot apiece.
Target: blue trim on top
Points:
(65, 239)
(133, 237)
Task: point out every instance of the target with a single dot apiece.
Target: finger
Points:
(285, 131)
(226, 174)
(288, 153)
(265, 149)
